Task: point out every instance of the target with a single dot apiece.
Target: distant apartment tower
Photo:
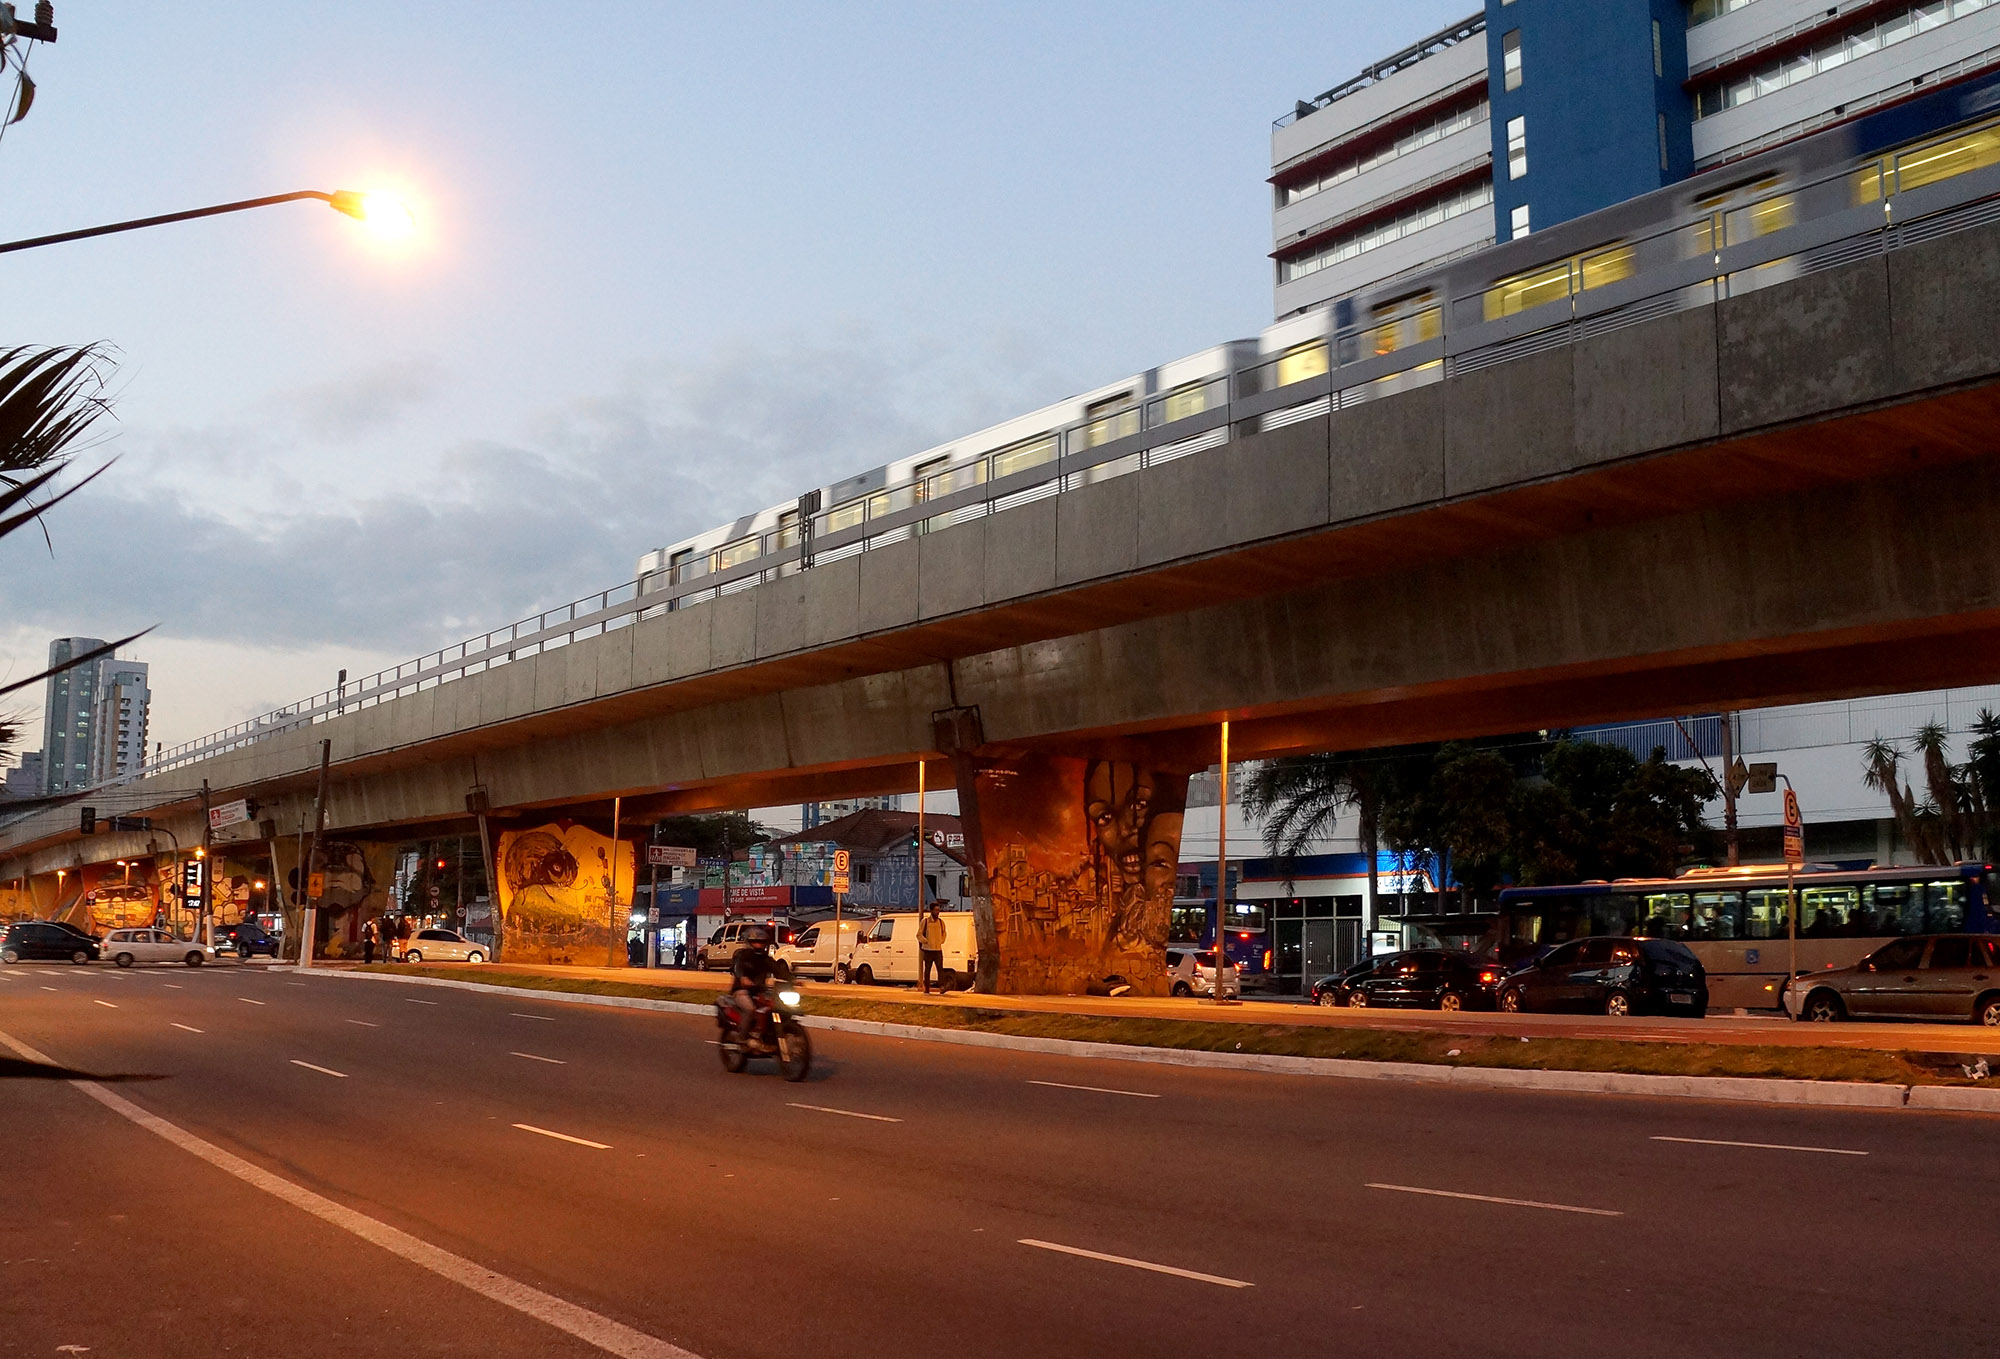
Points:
(25, 778)
(94, 719)
(1534, 112)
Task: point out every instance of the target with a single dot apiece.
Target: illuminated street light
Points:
(385, 214)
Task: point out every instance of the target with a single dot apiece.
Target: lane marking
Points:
(364, 1023)
(1194, 1274)
(247, 1001)
(48, 988)
(414, 1001)
(324, 1070)
(564, 1137)
(105, 1003)
(552, 1061)
(1760, 1146)
(546, 1019)
(1094, 1089)
(1488, 1198)
(174, 986)
(846, 1113)
(613, 1337)
(189, 1027)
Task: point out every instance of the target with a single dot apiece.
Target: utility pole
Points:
(1731, 785)
(204, 931)
(313, 883)
(1222, 870)
(611, 940)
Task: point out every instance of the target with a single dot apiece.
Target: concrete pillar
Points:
(1079, 857)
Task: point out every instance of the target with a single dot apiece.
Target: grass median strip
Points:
(1637, 1056)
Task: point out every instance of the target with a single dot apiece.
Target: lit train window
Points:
(737, 553)
(1606, 266)
(1029, 453)
(1558, 281)
(1112, 418)
(926, 473)
(1301, 362)
(845, 516)
(1405, 322)
(788, 531)
(1940, 160)
(1190, 398)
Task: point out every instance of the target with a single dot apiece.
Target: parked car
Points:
(719, 952)
(889, 952)
(443, 946)
(1430, 978)
(1193, 974)
(1939, 976)
(45, 939)
(1612, 975)
(815, 953)
(1333, 990)
(246, 940)
(126, 947)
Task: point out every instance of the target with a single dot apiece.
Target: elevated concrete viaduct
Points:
(1786, 495)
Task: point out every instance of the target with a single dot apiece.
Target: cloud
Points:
(361, 403)
(502, 529)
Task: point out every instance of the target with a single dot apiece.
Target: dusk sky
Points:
(674, 263)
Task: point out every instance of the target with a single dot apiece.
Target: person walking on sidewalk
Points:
(930, 948)
(368, 942)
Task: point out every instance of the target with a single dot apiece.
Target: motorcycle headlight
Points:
(789, 997)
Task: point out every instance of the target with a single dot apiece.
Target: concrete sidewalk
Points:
(1749, 1031)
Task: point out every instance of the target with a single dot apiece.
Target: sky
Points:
(672, 264)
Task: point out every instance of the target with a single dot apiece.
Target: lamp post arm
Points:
(165, 218)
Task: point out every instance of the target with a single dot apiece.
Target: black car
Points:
(1430, 978)
(246, 940)
(1611, 975)
(45, 939)
(1333, 990)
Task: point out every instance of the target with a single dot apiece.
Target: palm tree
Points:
(1300, 797)
(1946, 787)
(1882, 770)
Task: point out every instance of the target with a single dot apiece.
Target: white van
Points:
(813, 952)
(889, 953)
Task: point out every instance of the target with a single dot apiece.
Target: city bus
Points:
(1739, 923)
(1191, 923)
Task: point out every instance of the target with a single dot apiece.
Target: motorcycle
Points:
(775, 1031)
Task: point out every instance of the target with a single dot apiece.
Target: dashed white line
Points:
(1488, 1198)
(189, 1027)
(552, 1061)
(846, 1113)
(105, 1003)
(546, 1019)
(174, 986)
(1094, 1089)
(612, 1337)
(564, 1137)
(1760, 1146)
(323, 1070)
(247, 1001)
(48, 988)
(1194, 1274)
(365, 1023)
(414, 1001)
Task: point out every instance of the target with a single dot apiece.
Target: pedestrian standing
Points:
(403, 933)
(680, 953)
(368, 942)
(930, 948)
(635, 950)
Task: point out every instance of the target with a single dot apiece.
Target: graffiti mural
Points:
(555, 893)
(1082, 860)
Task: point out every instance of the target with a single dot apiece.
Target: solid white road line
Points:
(324, 1070)
(1760, 1146)
(546, 1019)
(1488, 1198)
(1094, 1089)
(364, 1023)
(1196, 1275)
(105, 1003)
(847, 1113)
(552, 1061)
(564, 1137)
(189, 1027)
(613, 1337)
(247, 1001)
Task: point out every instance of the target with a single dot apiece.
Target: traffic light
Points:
(90, 820)
(440, 865)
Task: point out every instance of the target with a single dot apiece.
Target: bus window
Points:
(1665, 916)
(1828, 910)
(1893, 908)
(1245, 917)
(1766, 913)
(1946, 907)
(1717, 915)
(1187, 924)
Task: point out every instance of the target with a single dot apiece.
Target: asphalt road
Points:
(913, 1198)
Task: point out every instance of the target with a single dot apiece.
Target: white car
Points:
(812, 952)
(443, 946)
(126, 947)
(889, 952)
(1193, 974)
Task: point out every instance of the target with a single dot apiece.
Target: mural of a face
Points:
(1118, 801)
(348, 881)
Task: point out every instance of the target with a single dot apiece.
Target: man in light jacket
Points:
(930, 948)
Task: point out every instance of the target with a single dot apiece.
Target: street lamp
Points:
(386, 214)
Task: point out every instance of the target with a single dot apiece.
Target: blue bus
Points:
(1191, 923)
(1743, 924)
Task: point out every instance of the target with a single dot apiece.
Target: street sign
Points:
(669, 856)
(436, 892)
(652, 915)
(839, 882)
(1795, 833)
(842, 860)
(1762, 778)
(229, 814)
(316, 886)
(1792, 817)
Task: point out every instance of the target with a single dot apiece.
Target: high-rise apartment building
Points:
(1534, 112)
(94, 718)
(25, 778)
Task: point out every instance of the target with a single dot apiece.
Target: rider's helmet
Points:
(756, 936)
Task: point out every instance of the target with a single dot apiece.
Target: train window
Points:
(1941, 160)
(678, 566)
(1404, 322)
(1523, 292)
(1020, 457)
(846, 516)
(1112, 418)
(1606, 266)
(1190, 398)
(1302, 361)
(788, 531)
(737, 553)
(927, 474)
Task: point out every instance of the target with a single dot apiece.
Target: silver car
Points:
(1192, 973)
(126, 947)
(443, 946)
(1941, 976)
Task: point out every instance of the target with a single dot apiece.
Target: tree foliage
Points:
(1958, 814)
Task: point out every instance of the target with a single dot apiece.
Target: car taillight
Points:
(1267, 960)
(1489, 976)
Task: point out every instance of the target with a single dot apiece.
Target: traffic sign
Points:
(1792, 817)
(841, 860)
(839, 882)
(436, 892)
(1795, 846)
(669, 856)
(229, 814)
(316, 886)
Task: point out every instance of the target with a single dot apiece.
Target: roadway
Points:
(598, 1168)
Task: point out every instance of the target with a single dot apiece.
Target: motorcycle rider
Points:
(753, 969)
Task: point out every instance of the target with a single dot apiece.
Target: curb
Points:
(1734, 1089)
